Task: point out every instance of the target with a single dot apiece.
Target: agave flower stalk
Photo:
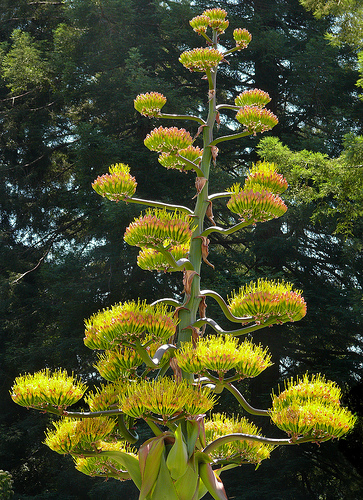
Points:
(157, 364)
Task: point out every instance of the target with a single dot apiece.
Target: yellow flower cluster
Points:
(77, 436)
(150, 259)
(241, 451)
(149, 104)
(222, 354)
(117, 185)
(201, 59)
(268, 300)
(125, 323)
(311, 408)
(44, 388)
(259, 199)
(159, 228)
(106, 397)
(191, 153)
(168, 140)
(166, 399)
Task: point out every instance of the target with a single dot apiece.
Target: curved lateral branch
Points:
(220, 230)
(228, 106)
(229, 137)
(179, 265)
(182, 117)
(224, 307)
(215, 196)
(245, 405)
(159, 204)
(241, 331)
(168, 301)
(195, 167)
(250, 437)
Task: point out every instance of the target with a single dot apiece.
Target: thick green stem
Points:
(245, 405)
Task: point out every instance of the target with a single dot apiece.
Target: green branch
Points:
(242, 401)
(220, 230)
(159, 204)
(241, 331)
(222, 304)
(230, 137)
(182, 117)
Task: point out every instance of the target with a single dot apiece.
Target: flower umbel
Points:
(168, 140)
(268, 300)
(166, 398)
(311, 407)
(256, 119)
(241, 451)
(264, 177)
(44, 388)
(242, 38)
(201, 59)
(253, 97)
(149, 104)
(257, 206)
(159, 228)
(128, 322)
(117, 185)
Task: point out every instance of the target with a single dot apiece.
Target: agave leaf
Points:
(177, 460)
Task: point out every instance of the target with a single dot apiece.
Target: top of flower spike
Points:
(149, 104)
(213, 18)
(263, 176)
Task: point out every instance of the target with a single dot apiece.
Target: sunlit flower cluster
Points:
(222, 354)
(150, 259)
(253, 97)
(106, 396)
(264, 177)
(256, 119)
(119, 184)
(257, 206)
(166, 399)
(159, 228)
(118, 363)
(176, 160)
(268, 300)
(75, 436)
(168, 140)
(128, 322)
(44, 388)
(310, 407)
(242, 38)
(241, 451)
(149, 104)
(201, 59)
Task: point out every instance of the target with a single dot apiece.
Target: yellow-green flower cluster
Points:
(255, 207)
(77, 436)
(149, 104)
(241, 451)
(159, 228)
(117, 185)
(191, 153)
(166, 398)
(311, 408)
(125, 323)
(168, 140)
(259, 199)
(268, 300)
(222, 354)
(118, 363)
(201, 59)
(213, 18)
(150, 259)
(264, 177)
(106, 397)
(242, 37)
(44, 388)
(103, 466)
(256, 119)
(253, 97)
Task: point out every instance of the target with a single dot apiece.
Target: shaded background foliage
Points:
(69, 73)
